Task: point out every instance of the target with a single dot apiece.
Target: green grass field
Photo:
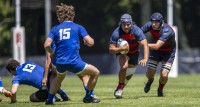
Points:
(183, 91)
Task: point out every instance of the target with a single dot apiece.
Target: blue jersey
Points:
(132, 37)
(166, 34)
(29, 73)
(66, 37)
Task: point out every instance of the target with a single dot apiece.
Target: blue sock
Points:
(62, 94)
(87, 91)
(89, 94)
(50, 98)
(1, 84)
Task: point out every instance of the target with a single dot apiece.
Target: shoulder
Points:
(135, 27)
(116, 31)
(78, 25)
(167, 29)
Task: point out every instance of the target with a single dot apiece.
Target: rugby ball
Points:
(120, 43)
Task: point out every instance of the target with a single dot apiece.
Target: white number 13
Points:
(29, 67)
(64, 33)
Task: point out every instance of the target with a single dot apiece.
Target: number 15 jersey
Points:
(66, 36)
(29, 73)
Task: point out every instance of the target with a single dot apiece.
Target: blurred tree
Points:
(6, 22)
(183, 40)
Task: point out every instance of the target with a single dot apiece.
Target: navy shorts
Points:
(162, 56)
(41, 95)
(75, 67)
(133, 58)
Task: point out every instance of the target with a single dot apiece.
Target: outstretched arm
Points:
(157, 45)
(146, 52)
(13, 92)
(46, 70)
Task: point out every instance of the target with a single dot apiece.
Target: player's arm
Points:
(144, 43)
(114, 49)
(47, 45)
(157, 45)
(88, 40)
(13, 92)
(46, 69)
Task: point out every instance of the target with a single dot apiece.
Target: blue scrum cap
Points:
(126, 18)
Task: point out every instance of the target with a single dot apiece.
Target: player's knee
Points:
(130, 71)
(152, 65)
(32, 97)
(166, 67)
(97, 72)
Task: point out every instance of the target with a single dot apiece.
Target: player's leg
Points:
(166, 67)
(93, 72)
(55, 86)
(62, 94)
(39, 96)
(167, 61)
(152, 65)
(129, 73)
(132, 62)
(123, 62)
(85, 79)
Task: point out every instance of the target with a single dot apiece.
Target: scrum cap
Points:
(126, 18)
(156, 17)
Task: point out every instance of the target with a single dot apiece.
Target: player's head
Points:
(126, 22)
(12, 65)
(65, 12)
(156, 20)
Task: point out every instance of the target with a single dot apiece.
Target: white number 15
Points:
(64, 33)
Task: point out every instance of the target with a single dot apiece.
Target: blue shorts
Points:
(75, 67)
(162, 56)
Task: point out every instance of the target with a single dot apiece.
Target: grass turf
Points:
(183, 91)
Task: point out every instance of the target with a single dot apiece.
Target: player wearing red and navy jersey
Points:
(163, 50)
(134, 36)
(66, 36)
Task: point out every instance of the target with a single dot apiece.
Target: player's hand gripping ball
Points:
(5, 92)
(8, 94)
(120, 43)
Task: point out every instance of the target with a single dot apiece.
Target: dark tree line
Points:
(100, 17)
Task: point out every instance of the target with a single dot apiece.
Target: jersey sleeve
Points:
(52, 34)
(16, 80)
(166, 34)
(114, 37)
(146, 27)
(83, 32)
(139, 33)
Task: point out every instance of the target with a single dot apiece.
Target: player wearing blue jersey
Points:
(163, 50)
(66, 37)
(129, 31)
(30, 74)
(50, 65)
